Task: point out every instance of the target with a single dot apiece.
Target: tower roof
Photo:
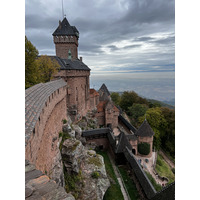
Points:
(145, 130)
(65, 29)
(104, 90)
(67, 64)
(123, 142)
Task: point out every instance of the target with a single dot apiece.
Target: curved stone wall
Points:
(45, 110)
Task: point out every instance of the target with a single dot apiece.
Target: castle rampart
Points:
(45, 110)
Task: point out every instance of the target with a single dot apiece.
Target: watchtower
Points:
(66, 40)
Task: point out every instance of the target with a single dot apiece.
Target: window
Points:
(76, 94)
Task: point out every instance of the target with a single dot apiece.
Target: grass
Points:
(157, 187)
(73, 183)
(163, 169)
(64, 137)
(114, 191)
(95, 160)
(130, 186)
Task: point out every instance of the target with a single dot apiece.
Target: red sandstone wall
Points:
(134, 145)
(77, 89)
(42, 145)
(94, 101)
(100, 118)
(63, 44)
(49, 144)
(111, 116)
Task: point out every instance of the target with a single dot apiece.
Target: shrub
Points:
(173, 170)
(64, 121)
(95, 175)
(60, 134)
(144, 148)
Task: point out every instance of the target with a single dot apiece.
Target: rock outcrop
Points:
(38, 186)
(85, 174)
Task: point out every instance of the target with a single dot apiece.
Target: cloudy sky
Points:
(128, 44)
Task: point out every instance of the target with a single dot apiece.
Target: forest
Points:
(161, 119)
(38, 69)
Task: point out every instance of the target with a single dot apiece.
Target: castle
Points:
(69, 97)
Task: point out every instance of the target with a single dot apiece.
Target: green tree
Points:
(157, 122)
(168, 138)
(137, 110)
(127, 99)
(115, 97)
(31, 70)
(47, 68)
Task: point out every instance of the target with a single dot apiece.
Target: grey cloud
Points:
(105, 22)
(132, 46)
(168, 40)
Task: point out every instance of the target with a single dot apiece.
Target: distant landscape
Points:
(169, 104)
(151, 85)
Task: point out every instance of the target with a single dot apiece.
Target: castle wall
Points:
(63, 44)
(78, 97)
(111, 115)
(42, 148)
(134, 144)
(100, 118)
(94, 100)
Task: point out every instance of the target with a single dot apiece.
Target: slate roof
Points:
(67, 64)
(104, 89)
(145, 130)
(127, 124)
(93, 132)
(35, 98)
(131, 137)
(167, 193)
(123, 143)
(65, 29)
(111, 139)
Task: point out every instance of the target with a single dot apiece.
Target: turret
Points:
(66, 39)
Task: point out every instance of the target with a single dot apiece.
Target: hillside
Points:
(163, 104)
(168, 104)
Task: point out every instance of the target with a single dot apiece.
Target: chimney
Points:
(81, 59)
(59, 24)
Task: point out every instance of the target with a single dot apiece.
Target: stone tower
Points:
(66, 40)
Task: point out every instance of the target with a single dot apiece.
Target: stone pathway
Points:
(149, 167)
(125, 195)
